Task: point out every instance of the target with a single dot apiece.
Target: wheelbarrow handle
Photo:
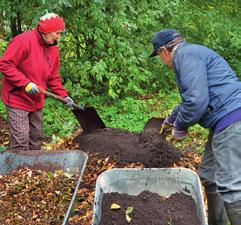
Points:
(49, 94)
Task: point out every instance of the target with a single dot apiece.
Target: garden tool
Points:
(87, 116)
(154, 123)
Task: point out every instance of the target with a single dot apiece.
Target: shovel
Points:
(87, 116)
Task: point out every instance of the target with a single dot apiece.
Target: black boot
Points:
(216, 210)
(234, 212)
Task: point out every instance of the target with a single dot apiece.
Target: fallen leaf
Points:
(115, 206)
(68, 175)
(129, 210)
(128, 218)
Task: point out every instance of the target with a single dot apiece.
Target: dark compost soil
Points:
(149, 209)
(149, 147)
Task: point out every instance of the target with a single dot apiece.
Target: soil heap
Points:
(149, 147)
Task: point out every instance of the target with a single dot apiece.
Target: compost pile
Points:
(148, 148)
(29, 196)
(148, 208)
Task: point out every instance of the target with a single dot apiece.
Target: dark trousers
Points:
(221, 162)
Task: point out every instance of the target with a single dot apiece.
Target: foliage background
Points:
(105, 49)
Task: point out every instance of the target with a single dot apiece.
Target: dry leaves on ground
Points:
(35, 197)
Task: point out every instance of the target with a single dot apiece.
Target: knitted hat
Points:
(50, 22)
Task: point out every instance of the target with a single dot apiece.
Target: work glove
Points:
(178, 133)
(167, 125)
(32, 88)
(69, 101)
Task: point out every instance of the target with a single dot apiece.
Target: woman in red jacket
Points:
(31, 60)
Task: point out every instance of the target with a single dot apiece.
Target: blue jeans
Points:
(220, 168)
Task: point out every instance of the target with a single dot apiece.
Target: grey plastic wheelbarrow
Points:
(51, 160)
(163, 181)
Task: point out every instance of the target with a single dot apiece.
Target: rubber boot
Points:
(234, 212)
(217, 214)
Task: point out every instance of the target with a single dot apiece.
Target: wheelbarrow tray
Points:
(163, 181)
(69, 161)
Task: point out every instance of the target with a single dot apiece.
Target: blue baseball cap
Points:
(161, 38)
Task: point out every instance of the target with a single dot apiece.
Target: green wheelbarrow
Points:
(163, 181)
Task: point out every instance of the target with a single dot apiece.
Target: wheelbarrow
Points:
(88, 117)
(163, 181)
(69, 161)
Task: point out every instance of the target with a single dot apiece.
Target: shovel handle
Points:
(51, 95)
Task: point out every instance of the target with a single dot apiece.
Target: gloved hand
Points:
(69, 101)
(32, 88)
(178, 133)
(167, 125)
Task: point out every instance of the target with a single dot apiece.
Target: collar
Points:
(173, 53)
(175, 49)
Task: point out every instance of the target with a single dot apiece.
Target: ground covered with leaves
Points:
(98, 162)
(30, 196)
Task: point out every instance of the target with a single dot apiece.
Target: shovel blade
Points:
(89, 119)
(154, 124)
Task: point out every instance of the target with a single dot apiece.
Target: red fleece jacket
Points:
(28, 59)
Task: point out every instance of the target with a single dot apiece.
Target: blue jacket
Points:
(208, 86)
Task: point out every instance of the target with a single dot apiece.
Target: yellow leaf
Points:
(128, 218)
(129, 210)
(115, 206)
(68, 175)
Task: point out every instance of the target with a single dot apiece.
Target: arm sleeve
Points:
(15, 53)
(194, 91)
(55, 83)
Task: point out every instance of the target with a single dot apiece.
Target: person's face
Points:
(165, 56)
(51, 37)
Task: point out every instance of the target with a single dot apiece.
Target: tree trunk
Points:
(14, 27)
(15, 24)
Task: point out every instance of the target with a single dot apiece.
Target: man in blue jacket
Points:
(211, 97)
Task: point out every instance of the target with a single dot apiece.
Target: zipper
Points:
(47, 59)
